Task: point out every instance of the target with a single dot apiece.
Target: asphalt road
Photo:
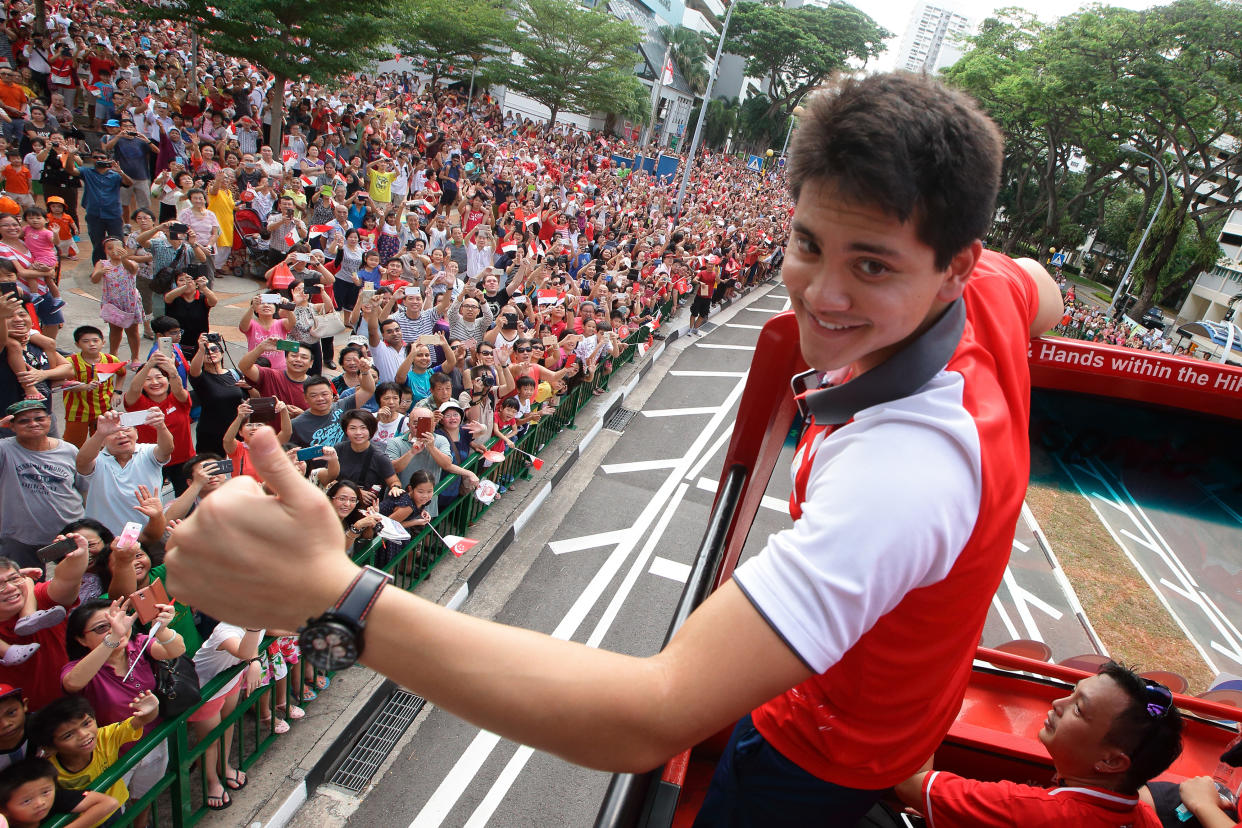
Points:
(619, 542)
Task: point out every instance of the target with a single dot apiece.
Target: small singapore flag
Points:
(458, 545)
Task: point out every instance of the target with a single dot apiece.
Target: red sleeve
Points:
(949, 799)
(996, 275)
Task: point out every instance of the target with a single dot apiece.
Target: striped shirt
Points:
(86, 404)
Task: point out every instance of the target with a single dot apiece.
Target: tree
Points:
(577, 59)
(721, 120)
(689, 54)
(798, 50)
(319, 39)
(1167, 79)
(456, 33)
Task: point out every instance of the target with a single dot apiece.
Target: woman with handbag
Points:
(107, 667)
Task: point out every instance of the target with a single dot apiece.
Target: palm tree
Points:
(689, 55)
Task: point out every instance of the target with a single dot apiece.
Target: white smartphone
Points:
(133, 418)
(271, 298)
(129, 535)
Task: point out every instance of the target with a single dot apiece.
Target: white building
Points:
(933, 39)
(1209, 296)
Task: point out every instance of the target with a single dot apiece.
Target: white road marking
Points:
(1067, 589)
(673, 570)
(1023, 600)
(768, 502)
(467, 768)
(680, 412)
(594, 541)
(762, 310)
(697, 468)
(637, 465)
(743, 327)
(729, 374)
(1004, 617)
(716, 347)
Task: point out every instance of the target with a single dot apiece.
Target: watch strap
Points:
(358, 598)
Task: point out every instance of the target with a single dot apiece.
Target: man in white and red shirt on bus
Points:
(1115, 733)
(845, 646)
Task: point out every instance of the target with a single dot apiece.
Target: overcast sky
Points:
(895, 14)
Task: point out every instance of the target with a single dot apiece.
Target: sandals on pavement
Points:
(237, 781)
(220, 802)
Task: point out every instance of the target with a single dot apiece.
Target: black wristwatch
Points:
(333, 641)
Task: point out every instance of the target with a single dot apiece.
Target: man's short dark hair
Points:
(1152, 739)
(42, 725)
(316, 379)
(164, 324)
(908, 145)
(439, 378)
(86, 330)
(34, 769)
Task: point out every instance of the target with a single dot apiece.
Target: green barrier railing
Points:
(179, 798)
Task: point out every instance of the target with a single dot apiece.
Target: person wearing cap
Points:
(40, 490)
(459, 441)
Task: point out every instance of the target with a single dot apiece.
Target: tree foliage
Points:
(456, 36)
(1167, 80)
(689, 53)
(577, 59)
(797, 50)
(320, 39)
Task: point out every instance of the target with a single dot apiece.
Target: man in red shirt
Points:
(845, 646)
(1109, 738)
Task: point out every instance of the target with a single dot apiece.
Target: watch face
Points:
(329, 645)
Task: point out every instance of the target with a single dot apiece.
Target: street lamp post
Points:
(797, 113)
(1125, 277)
(698, 127)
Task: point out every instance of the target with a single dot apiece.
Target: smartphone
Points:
(271, 298)
(10, 288)
(310, 453)
(285, 306)
(549, 342)
(145, 601)
(368, 293)
(424, 426)
(129, 535)
(222, 467)
(130, 419)
(165, 346)
(313, 290)
(430, 340)
(287, 345)
(263, 410)
(54, 552)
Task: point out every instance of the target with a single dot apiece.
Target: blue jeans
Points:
(754, 785)
(99, 228)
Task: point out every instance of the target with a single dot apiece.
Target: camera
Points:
(216, 339)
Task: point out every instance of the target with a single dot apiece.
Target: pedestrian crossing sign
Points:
(754, 163)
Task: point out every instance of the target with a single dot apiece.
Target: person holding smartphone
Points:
(102, 180)
(157, 384)
(115, 464)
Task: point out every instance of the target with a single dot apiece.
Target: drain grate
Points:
(379, 740)
(708, 327)
(619, 419)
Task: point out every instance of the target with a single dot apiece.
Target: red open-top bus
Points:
(1155, 400)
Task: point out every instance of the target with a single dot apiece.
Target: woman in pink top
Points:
(258, 323)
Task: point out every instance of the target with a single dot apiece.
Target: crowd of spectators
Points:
(437, 275)
(1083, 321)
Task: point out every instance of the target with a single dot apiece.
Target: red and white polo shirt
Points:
(950, 800)
(907, 492)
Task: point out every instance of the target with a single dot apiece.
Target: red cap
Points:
(7, 690)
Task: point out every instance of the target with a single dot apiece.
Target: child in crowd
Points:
(13, 744)
(29, 795)
(42, 243)
(17, 179)
(63, 227)
(97, 372)
(242, 428)
(79, 748)
(35, 166)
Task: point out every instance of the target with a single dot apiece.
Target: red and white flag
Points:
(459, 545)
(318, 230)
(533, 218)
(307, 181)
(287, 155)
(667, 76)
(548, 296)
(109, 367)
(509, 247)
